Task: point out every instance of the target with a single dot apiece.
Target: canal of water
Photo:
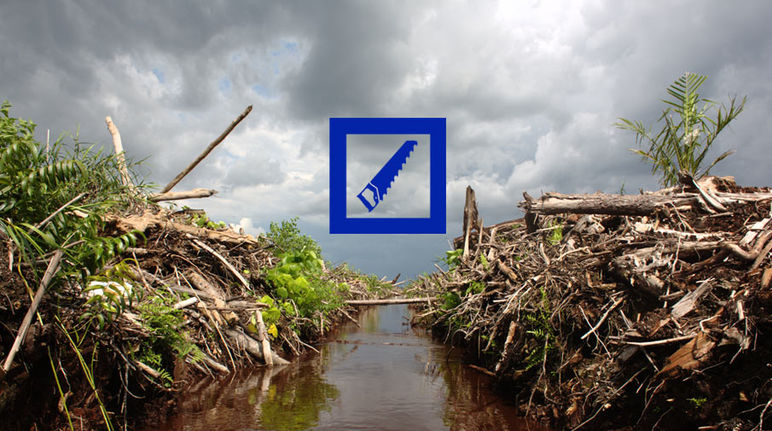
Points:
(380, 375)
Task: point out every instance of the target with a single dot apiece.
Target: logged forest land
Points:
(647, 311)
(112, 304)
(599, 311)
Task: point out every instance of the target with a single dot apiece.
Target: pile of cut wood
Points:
(611, 311)
(210, 278)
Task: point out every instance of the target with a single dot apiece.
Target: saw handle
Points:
(363, 198)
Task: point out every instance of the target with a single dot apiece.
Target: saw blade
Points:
(374, 192)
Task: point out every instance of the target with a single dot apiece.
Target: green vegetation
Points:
(287, 238)
(474, 288)
(484, 262)
(52, 198)
(684, 140)
(168, 335)
(202, 220)
(556, 234)
(698, 402)
(301, 287)
(538, 325)
(450, 300)
(110, 293)
(452, 258)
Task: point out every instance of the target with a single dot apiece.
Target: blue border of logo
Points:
(340, 127)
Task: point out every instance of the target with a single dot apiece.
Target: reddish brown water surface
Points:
(382, 375)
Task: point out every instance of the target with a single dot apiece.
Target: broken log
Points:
(148, 220)
(389, 301)
(471, 218)
(187, 194)
(600, 203)
(119, 153)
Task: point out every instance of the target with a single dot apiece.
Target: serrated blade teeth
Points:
(383, 180)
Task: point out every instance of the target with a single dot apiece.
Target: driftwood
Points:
(188, 194)
(206, 152)
(53, 267)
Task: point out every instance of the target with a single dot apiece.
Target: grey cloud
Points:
(358, 57)
(254, 171)
(530, 93)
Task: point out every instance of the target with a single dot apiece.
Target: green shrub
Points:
(684, 140)
(300, 288)
(287, 238)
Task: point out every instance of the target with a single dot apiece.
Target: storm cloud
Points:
(530, 90)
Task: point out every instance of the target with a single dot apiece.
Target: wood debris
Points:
(632, 303)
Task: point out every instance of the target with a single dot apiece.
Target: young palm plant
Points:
(689, 132)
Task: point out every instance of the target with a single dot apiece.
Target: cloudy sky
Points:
(530, 90)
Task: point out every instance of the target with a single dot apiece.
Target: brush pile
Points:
(182, 302)
(620, 311)
(109, 303)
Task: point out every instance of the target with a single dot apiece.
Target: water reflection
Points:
(381, 376)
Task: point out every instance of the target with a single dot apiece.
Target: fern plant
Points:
(688, 131)
(54, 197)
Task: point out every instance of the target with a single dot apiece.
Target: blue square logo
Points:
(387, 175)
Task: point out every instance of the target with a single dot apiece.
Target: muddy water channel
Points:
(382, 375)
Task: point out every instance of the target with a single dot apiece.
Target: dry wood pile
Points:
(214, 280)
(608, 311)
(216, 275)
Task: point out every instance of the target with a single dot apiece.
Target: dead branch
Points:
(51, 270)
(148, 220)
(224, 261)
(119, 154)
(208, 150)
(188, 194)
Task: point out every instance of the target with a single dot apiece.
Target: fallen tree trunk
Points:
(389, 301)
(187, 194)
(147, 220)
(598, 203)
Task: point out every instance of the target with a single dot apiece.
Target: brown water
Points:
(381, 376)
